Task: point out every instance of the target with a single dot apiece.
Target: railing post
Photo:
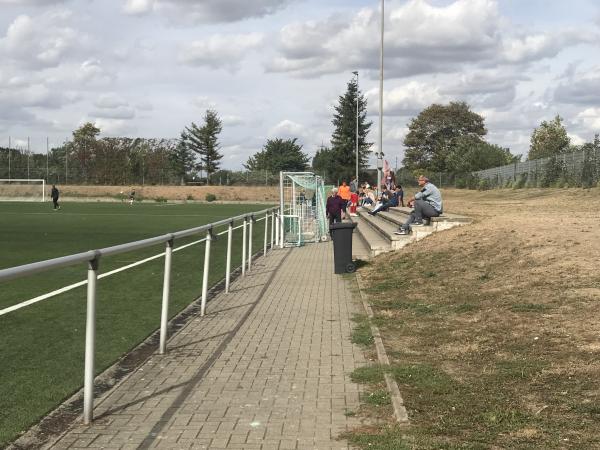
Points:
(266, 233)
(244, 237)
(228, 264)
(164, 315)
(276, 225)
(206, 271)
(90, 342)
(272, 227)
(250, 234)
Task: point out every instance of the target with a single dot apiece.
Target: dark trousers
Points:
(55, 201)
(423, 210)
(335, 218)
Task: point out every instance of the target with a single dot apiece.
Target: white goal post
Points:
(22, 189)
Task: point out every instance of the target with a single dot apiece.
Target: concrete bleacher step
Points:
(385, 229)
(371, 240)
(404, 211)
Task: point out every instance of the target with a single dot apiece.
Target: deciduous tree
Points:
(434, 134)
(549, 139)
(277, 155)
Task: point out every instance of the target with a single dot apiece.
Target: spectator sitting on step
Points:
(427, 203)
(393, 200)
(368, 197)
(334, 207)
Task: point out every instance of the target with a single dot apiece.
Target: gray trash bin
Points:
(341, 233)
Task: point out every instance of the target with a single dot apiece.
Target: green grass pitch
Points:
(42, 345)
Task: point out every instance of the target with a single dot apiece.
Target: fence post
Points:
(90, 342)
(244, 237)
(228, 264)
(266, 233)
(250, 242)
(164, 316)
(276, 225)
(206, 271)
(272, 227)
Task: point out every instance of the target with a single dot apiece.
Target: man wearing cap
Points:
(427, 203)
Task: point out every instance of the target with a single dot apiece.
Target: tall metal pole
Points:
(9, 146)
(47, 152)
(380, 153)
(28, 153)
(164, 315)
(356, 174)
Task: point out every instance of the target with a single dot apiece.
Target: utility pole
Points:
(28, 153)
(9, 147)
(47, 152)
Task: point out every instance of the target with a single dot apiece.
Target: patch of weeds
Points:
(160, 200)
(384, 321)
(392, 438)
(361, 334)
(519, 369)
(349, 413)
(430, 274)
(466, 308)
(368, 375)
(417, 308)
(529, 307)
(210, 197)
(377, 398)
(384, 285)
(504, 419)
(485, 276)
(592, 409)
(424, 377)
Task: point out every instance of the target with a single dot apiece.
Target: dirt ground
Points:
(503, 315)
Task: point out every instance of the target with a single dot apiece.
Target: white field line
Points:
(112, 272)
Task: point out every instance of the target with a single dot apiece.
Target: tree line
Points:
(441, 139)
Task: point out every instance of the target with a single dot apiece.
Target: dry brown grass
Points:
(496, 323)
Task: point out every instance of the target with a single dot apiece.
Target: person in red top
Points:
(344, 192)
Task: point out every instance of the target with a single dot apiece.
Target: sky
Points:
(276, 68)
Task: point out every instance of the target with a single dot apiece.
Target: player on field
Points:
(54, 194)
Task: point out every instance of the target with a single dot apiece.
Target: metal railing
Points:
(92, 258)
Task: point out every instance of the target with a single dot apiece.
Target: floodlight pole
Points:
(356, 174)
(380, 153)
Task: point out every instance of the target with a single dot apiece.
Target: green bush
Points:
(483, 185)
(210, 197)
(521, 181)
(160, 200)
(190, 197)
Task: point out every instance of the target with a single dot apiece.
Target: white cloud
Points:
(589, 118)
(137, 7)
(110, 101)
(92, 71)
(408, 99)
(188, 12)
(580, 88)
(43, 41)
(287, 129)
(220, 51)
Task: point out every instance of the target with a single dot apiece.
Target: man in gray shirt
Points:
(427, 203)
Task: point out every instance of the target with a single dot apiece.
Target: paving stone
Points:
(266, 368)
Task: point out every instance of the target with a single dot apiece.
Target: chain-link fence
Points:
(576, 169)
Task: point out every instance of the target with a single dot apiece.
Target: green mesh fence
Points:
(303, 198)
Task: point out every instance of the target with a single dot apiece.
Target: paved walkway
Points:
(267, 368)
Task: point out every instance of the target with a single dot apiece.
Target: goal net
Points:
(22, 190)
(302, 198)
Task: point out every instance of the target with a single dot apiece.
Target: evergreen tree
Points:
(549, 139)
(204, 141)
(182, 159)
(343, 140)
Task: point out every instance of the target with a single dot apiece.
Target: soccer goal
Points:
(22, 189)
(302, 202)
